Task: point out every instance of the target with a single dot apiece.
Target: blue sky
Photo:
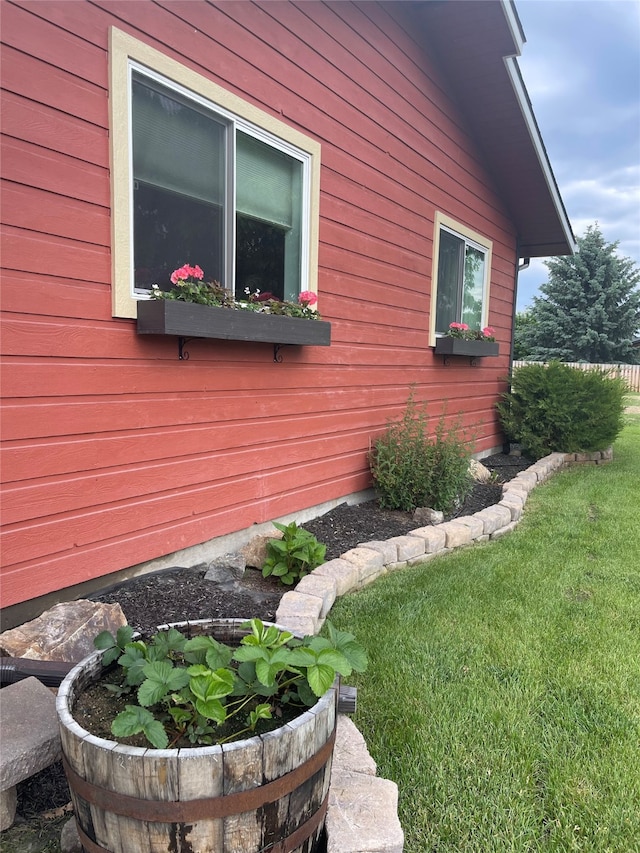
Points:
(581, 66)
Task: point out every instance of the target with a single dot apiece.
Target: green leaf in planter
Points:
(166, 642)
(207, 650)
(260, 712)
(133, 662)
(212, 709)
(212, 685)
(347, 644)
(302, 656)
(265, 635)
(268, 668)
(320, 677)
(180, 716)
(161, 677)
(113, 646)
(134, 720)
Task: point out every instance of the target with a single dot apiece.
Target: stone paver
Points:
(474, 524)
(30, 738)
(494, 517)
(363, 815)
(456, 534)
(368, 562)
(434, 538)
(322, 586)
(344, 573)
(387, 548)
(408, 546)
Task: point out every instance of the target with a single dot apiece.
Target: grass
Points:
(503, 692)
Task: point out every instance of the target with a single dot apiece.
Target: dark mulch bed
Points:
(178, 594)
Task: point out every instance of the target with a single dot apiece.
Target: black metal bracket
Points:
(183, 355)
(277, 356)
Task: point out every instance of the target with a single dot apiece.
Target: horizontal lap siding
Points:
(115, 452)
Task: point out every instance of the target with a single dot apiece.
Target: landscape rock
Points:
(255, 551)
(426, 515)
(65, 632)
(369, 563)
(69, 838)
(479, 472)
(226, 569)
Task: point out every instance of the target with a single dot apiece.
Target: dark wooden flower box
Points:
(189, 320)
(471, 349)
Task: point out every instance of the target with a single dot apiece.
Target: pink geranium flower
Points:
(185, 272)
(307, 298)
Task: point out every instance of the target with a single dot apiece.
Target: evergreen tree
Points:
(590, 310)
(521, 348)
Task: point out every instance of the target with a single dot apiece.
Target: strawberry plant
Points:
(187, 688)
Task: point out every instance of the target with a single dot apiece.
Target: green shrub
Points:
(560, 408)
(410, 469)
(293, 556)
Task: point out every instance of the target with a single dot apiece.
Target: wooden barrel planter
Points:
(264, 793)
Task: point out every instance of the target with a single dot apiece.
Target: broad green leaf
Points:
(104, 640)
(212, 709)
(124, 635)
(180, 715)
(261, 712)
(156, 735)
(302, 656)
(110, 655)
(213, 685)
(336, 660)
(134, 720)
(355, 655)
(161, 678)
(249, 653)
(320, 678)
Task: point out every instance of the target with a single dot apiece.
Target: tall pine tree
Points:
(590, 310)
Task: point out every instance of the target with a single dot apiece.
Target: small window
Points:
(202, 177)
(461, 277)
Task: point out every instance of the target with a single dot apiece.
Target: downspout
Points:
(518, 267)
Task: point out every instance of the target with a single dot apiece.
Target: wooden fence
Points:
(629, 372)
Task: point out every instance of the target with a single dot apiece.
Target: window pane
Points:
(171, 230)
(449, 273)
(269, 208)
(179, 186)
(473, 290)
(260, 251)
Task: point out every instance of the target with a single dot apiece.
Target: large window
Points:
(201, 177)
(462, 264)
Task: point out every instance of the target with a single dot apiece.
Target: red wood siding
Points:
(114, 451)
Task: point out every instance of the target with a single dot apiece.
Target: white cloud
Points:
(581, 66)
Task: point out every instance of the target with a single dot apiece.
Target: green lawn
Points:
(503, 692)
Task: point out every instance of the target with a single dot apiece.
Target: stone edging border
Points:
(304, 610)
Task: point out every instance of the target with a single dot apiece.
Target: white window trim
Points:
(127, 54)
(441, 220)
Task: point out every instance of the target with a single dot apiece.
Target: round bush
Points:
(555, 407)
